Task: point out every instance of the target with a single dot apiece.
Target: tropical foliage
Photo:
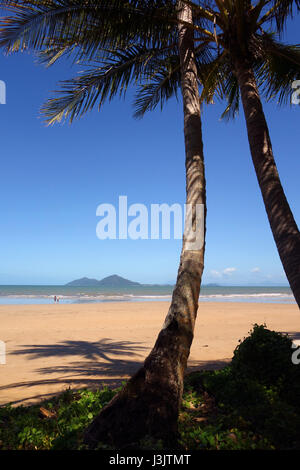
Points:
(239, 407)
(136, 42)
(160, 46)
(150, 44)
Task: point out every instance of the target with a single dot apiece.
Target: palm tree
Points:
(161, 46)
(248, 59)
(156, 45)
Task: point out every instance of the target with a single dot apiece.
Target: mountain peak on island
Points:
(83, 282)
(117, 281)
(110, 281)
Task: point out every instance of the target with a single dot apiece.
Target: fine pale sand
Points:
(52, 347)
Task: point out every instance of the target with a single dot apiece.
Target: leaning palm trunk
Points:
(148, 405)
(283, 225)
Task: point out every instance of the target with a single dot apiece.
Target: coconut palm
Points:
(160, 46)
(157, 46)
(251, 60)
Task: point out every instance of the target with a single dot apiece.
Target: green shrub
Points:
(261, 386)
(253, 403)
(264, 356)
(25, 428)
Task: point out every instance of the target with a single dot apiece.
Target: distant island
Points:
(211, 285)
(117, 281)
(109, 281)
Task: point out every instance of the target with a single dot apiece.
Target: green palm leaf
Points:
(101, 82)
(281, 66)
(162, 85)
(164, 82)
(92, 24)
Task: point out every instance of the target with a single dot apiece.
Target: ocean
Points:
(45, 294)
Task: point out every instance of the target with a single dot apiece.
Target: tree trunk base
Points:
(143, 414)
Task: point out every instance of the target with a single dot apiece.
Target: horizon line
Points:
(210, 284)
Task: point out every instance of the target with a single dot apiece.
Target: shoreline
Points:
(41, 295)
(52, 347)
(255, 299)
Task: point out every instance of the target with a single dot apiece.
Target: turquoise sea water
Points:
(68, 294)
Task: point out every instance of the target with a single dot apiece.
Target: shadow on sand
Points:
(102, 363)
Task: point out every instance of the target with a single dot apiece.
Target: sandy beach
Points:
(52, 347)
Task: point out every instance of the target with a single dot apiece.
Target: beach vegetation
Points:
(163, 46)
(252, 403)
(150, 45)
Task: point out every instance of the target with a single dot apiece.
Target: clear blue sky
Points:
(53, 178)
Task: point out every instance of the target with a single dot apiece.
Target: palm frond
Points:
(162, 76)
(219, 81)
(279, 11)
(161, 85)
(281, 66)
(100, 83)
(232, 93)
(211, 77)
(93, 24)
(32, 24)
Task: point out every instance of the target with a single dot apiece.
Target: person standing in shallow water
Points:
(55, 298)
